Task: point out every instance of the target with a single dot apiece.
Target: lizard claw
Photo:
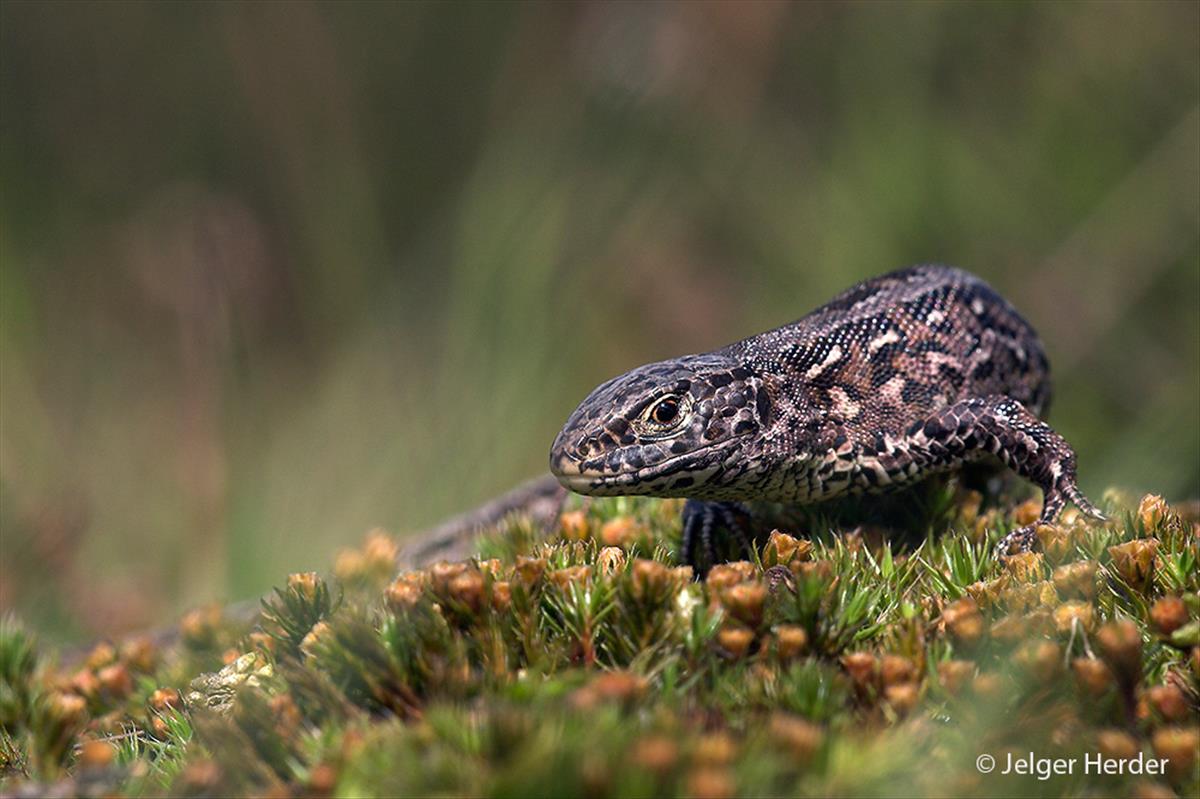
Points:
(701, 520)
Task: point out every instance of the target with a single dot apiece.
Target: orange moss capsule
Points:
(897, 669)
(200, 776)
(714, 749)
(902, 697)
(1152, 511)
(1077, 579)
(287, 715)
(861, 666)
(988, 594)
(501, 595)
(1056, 542)
(1040, 659)
(964, 621)
(1116, 744)
(986, 521)
(322, 779)
(68, 708)
(790, 641)
(350, 566)
(786, 548)
(711, 783)
(442, 573)
(610, 560)
(140, 654)
(619, 685)
(656, 754)
(620, 532)
(1121, 644)
(682, 575)
(725, 575)
(101, 655)
(116, 681)
(319, 631)
(1092, 675)
(402, 595)
(164, 699)
(492, 566)
(1180, 746)
(1168, 701)
(649, 576)
(304, 583)
(96, 755)
(1169, 614)
(1025, 567)
(571, 575)
(735, 640)
(801, 738)
(261, 640)
(820, 570)
(1027, 512)
(573, 525)
(745, 602)
(1010, 630)
(529, 570)
(988, 685)
(1070, 614)
(467, 589)
(954, 674)
(85, 683)
(1134, 560)
(380, 551)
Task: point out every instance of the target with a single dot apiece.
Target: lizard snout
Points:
(565, 459)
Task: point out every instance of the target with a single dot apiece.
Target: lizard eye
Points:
(665, 410)
(663, 417)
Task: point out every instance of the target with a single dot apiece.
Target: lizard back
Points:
(897, 347)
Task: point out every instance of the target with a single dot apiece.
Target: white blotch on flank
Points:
(842, 404)
(890, 392)
(830, 359)
(889, 337)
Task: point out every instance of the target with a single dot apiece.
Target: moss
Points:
(589, 663)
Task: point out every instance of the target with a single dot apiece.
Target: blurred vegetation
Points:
(587, 663)
(274, 274)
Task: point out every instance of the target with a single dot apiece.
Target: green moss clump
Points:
(590, 663)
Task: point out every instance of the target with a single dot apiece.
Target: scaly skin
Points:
(899, 377)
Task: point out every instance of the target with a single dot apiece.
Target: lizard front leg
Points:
(1002, 427)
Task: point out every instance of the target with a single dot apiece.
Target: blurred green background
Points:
(276, 273)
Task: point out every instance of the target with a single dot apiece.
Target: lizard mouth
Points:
(666, 478)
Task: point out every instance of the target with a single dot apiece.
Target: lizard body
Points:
(899, 377)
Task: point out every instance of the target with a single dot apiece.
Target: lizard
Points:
(912, 373)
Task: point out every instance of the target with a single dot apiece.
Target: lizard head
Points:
(666, 429)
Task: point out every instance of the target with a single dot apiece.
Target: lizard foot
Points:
(779, 578)
(1019, 540)
(709, 527)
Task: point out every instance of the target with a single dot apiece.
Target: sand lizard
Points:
(912, 373)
